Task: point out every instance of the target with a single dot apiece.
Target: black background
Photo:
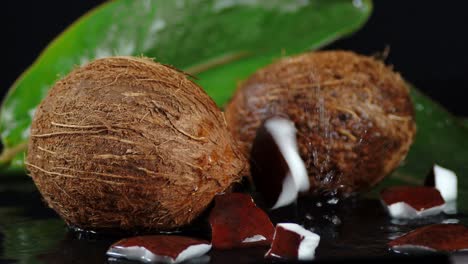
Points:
(427, 40)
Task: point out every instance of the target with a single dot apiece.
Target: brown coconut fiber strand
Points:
(129, 144)
(354, 115)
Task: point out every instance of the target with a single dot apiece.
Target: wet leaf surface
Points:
(221, 42)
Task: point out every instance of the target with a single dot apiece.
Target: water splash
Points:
(334, 219)
(324, 127)
(333, 200)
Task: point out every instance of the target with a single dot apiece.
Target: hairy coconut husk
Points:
(126, 143)
(354, 116)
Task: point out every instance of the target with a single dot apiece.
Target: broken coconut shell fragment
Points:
(412, 201)
(237, 222)
(159, 248)
(438, 237)
(353, 114)
(129, 144)
(293, 242)
(277, 170)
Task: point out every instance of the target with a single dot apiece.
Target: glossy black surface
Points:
(355, 230)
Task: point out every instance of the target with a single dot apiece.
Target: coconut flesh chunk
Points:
(445, 181)
(292, 241)
(408, 202)
(276, 158)
(284, 133)
(160, 249)
(406, 211)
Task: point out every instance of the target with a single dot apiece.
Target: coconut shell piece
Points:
(129, 144)
(278, 172)
(438, 237)
(236, 222)
(353, 115)
(412, 201)
(293, 242)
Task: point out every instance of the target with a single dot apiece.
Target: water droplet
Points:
(335, 220)
(358, 4)
(318, 204)
(400, 222)
(333, 200)
(180, 4)
(393, 228)
(25, 133)
(102, 52)
(451, 221)
(419, 107)
(329, 177)
(125, 48)
(18, 162)
(395, 235)
(156, 26)
(84, 60)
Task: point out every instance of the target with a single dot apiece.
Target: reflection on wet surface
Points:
(31, 233)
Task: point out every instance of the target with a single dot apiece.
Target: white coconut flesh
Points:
(142, 254)
(283, 133)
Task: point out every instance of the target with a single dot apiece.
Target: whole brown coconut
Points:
(125, 143)
(354, 116)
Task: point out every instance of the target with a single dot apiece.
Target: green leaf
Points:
(226, 40)
(465, 122)
(441, 139)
